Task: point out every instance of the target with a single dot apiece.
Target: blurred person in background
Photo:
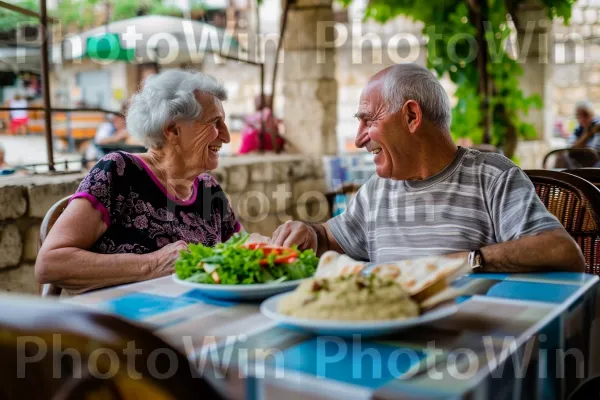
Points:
(19, 119)
(586, 133)
(585, 136)
(253, 128)
(112, 131)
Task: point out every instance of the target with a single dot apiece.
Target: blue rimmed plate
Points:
(256, 291)
(350, 328)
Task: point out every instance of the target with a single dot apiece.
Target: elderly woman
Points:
(134, 213)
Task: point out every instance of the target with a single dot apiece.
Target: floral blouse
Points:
(142, 216)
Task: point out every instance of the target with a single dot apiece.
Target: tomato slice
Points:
(284, 255)
(287, 256)
(254, 246)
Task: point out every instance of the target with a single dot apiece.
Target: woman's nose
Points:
(224, 133)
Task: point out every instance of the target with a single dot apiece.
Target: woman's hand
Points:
(163, 260)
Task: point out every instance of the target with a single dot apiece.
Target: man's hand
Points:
(295, 233)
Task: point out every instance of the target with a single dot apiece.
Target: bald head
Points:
(402, 82)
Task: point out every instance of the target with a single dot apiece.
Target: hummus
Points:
(349, 298)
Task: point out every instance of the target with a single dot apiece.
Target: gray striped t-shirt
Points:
(479, 199)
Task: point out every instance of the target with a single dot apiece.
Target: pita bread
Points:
(419, 276)
(332, 264)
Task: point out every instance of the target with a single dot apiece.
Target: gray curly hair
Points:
(168, 97)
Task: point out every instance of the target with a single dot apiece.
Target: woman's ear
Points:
(171, 131)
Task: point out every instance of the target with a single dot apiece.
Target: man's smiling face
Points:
(380, 131)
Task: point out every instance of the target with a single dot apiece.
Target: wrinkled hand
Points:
(163, 260)
(295, 233)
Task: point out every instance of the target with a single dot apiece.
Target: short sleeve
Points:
(98, 187)
(221, 205)
(516, 209)
(350, 228)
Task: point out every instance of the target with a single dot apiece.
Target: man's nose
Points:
(362, 137)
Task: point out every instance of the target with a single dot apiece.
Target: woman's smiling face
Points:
(201, 139)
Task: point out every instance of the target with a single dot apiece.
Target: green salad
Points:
(237, 263)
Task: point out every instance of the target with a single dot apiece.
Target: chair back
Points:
(50, 218)
(62, 351)
(589, 174)
(571, 158)
(345, 189)
(576, 204)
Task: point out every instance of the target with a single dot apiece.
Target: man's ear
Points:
(171, 131)
(413, 115)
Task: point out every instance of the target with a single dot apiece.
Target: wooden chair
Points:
(50, 218)
(571, 158)
(589, 174)
(51, 350)
(576, 204)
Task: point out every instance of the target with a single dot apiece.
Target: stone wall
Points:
(264, 191)
(24, 202)
(269, 190)
(576, 64)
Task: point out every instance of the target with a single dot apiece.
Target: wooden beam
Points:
(24, 11)
(46, 84)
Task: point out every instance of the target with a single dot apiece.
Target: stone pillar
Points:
(536, 57)
(309, 85)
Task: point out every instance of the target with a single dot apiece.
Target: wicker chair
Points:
(48, 289)
(571, 158)
(576, 203)
(589, 174)
(57, 348)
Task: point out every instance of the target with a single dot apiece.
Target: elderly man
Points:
(430, 197)
(587, 133)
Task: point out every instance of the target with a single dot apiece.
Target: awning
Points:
(153, 38)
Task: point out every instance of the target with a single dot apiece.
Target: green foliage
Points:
(84, 13)
(9, 20)
(452, 51)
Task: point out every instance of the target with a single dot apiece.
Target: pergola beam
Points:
(24, 11)
(44, 20)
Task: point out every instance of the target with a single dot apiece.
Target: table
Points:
(519, 337)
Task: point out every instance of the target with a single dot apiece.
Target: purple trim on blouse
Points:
(95, 203)
(151, 174)
(237, 227)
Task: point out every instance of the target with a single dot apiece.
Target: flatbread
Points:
(332, 264)
(414, 275)
(417, 275)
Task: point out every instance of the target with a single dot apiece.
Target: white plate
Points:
(257, 291)
(349, 328)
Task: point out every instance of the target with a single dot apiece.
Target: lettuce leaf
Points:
(238, 265)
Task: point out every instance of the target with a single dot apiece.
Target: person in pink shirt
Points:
(253, 127)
